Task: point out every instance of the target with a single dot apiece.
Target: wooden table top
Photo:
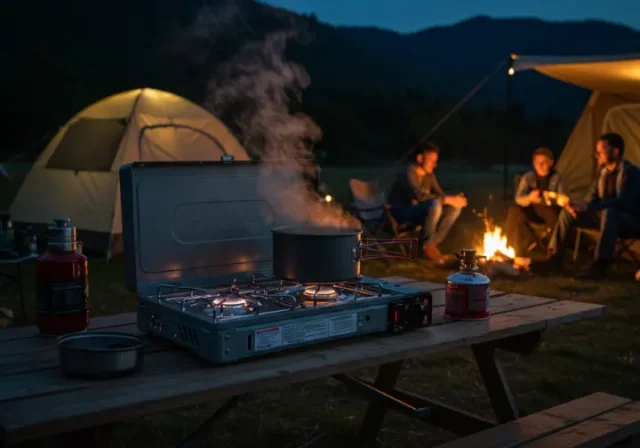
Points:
(36, 400)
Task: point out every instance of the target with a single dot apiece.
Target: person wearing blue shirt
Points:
(612, 205)
(416, 197)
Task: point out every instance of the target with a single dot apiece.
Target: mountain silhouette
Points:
(69, 54)
(452, 59)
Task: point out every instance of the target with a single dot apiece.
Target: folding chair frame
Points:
(623, 245)
(541, 234)
(388, 222)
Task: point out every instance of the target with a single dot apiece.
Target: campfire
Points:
(501, 258)
(495, 246)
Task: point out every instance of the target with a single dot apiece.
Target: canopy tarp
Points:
(612, 74)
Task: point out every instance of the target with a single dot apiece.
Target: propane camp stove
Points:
(198, 253)
(230, 323)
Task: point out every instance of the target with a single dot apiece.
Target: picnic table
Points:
(37, 401)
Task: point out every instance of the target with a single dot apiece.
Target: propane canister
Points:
(467, 291)
(62, 283)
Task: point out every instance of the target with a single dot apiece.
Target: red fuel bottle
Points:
(62, 283)
(467, 291)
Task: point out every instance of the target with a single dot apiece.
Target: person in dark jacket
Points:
(613, 205)
(532, 202)
(416, 197)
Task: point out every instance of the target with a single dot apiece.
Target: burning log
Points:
(501, 258)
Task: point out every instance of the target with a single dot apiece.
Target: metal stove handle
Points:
(366, 249)
(177, 288)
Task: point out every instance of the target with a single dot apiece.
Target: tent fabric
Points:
(99, 139)
(77, 174)
(612, 74)
(614, 106)
(625, 120)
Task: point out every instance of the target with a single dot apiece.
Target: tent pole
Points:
(505, 158)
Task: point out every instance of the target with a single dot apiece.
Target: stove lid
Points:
(196, 223)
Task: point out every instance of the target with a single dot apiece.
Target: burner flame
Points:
(320, 292)
(232, 306)
(230, 302)
(495, 245)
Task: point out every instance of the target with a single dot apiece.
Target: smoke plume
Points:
(253, 90)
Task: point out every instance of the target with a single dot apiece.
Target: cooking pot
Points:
(316, 254)
(101, 354)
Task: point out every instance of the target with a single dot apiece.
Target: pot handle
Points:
(366, 250)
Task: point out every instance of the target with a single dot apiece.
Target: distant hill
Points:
(452, 59)
(69, 54)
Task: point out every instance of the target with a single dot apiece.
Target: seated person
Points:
(612, 205)
(530, 204)
(417, 198)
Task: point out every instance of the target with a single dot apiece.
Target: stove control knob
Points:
(414, 315)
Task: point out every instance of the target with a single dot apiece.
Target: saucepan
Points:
(316, 254)
(101, 354)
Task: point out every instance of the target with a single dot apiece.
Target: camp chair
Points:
(541, 233)
(369, 206)
(623, 245)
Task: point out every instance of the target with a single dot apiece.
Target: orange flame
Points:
(495, 245)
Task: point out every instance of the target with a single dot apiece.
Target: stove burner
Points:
(320, 292)
(232, 305)
(231, 302)
(266, 297)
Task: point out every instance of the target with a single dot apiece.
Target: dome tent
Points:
(76, 175)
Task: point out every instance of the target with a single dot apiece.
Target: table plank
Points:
(23, 363)
(603, 430)
(398, 280)
(21, 359)
(96, 323)
(542, 423)
(96, 403)
(424, 286)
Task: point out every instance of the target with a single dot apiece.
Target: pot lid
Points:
(320, 231)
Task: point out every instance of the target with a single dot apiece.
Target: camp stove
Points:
(266, 314)
(204, 278)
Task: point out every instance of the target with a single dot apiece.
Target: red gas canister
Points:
(62, 283)
(467, 291)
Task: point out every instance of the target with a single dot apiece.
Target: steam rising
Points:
(254, 89)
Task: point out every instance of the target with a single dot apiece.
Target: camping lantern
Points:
(62, 283)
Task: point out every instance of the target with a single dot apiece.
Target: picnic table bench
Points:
(37, 401)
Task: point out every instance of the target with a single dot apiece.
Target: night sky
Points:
(412, 15)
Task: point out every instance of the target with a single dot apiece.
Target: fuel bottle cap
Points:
(62, 236)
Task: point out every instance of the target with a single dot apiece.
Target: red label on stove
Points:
(343, 324)
(268, 338)
(305, 332)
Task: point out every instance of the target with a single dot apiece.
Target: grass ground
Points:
(575, 360)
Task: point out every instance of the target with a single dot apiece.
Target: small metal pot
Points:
(101, 354)
(309, 254)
